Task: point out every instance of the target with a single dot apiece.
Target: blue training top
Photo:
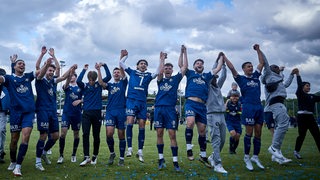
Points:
(72, 93)
(167, 91)
(20, 91)
(198, 84)
(138, 84)
(250, 88)
(46, 94)
(117, 94)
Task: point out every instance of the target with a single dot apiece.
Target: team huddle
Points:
(204, 108)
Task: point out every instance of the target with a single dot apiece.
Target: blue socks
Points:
(247, 144)
(22, 152)
(129, 134)
(141, 137)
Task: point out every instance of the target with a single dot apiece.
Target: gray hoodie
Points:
(272, 77)
(215, 102)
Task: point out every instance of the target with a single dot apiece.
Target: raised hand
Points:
(256, 47)
(43, 50)
(51, 52)
(123, 53)
(86, 66)
(13, 58)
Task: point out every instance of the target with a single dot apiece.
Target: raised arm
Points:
(71, 73)
(223, 76)
(289, 80)
(230, 66)
(42, 53)
(79, 79)
(100, 80)
(123, 54)
(42, 72)
(108, 74)
(122, 62)
(261, 57)
(13, 59)
(163, 56)
(183, 60)
(65, 75)
(220, 61)
(57, 72)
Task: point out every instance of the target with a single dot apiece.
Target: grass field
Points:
(306, 168)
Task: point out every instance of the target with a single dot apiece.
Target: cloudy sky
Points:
(89, 31)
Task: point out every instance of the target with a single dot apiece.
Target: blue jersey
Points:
(233, 111)
(72, 93)
(4, 99)
(46, 94)
(117, 94)
(250, 88)
(138, 84)
(167, 91)
(198, 84)
(92, 95)
(20, 91)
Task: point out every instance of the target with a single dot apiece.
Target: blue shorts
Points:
(165, 117)
(252, 114)
(117, 118)
(268, 119)
(19, 120)
(136, 108)
(74, 120)
(196, 109)
(234, 125)
(47, 121)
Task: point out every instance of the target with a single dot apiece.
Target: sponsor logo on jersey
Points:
(198, 81)
(165, 87)
(22, 89)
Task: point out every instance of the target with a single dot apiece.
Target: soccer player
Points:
(91, 116)
(233, 120)
(116, 109)
(215, 117)
(165, 102)
(136, 105)
(195, 106)
(252, 110)
(4, 110)
(21, 111)
(275, 91)
(71, 115)
(46, 108)
(306, 120)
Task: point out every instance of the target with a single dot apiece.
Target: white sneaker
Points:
(45, 158)
(128, 153)
(12, 166)
(94, 160)
(39, 167)
(60, 160)
(256, 160)
(218, 168)
(85, 161)
(210, 159)
(17, 172)
(246, 160)
(49, 152)
(140, 157)
(275, 152)
(73, 159)
(283, 160)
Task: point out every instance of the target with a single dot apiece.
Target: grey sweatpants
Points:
(217, 126)
(281, 120)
